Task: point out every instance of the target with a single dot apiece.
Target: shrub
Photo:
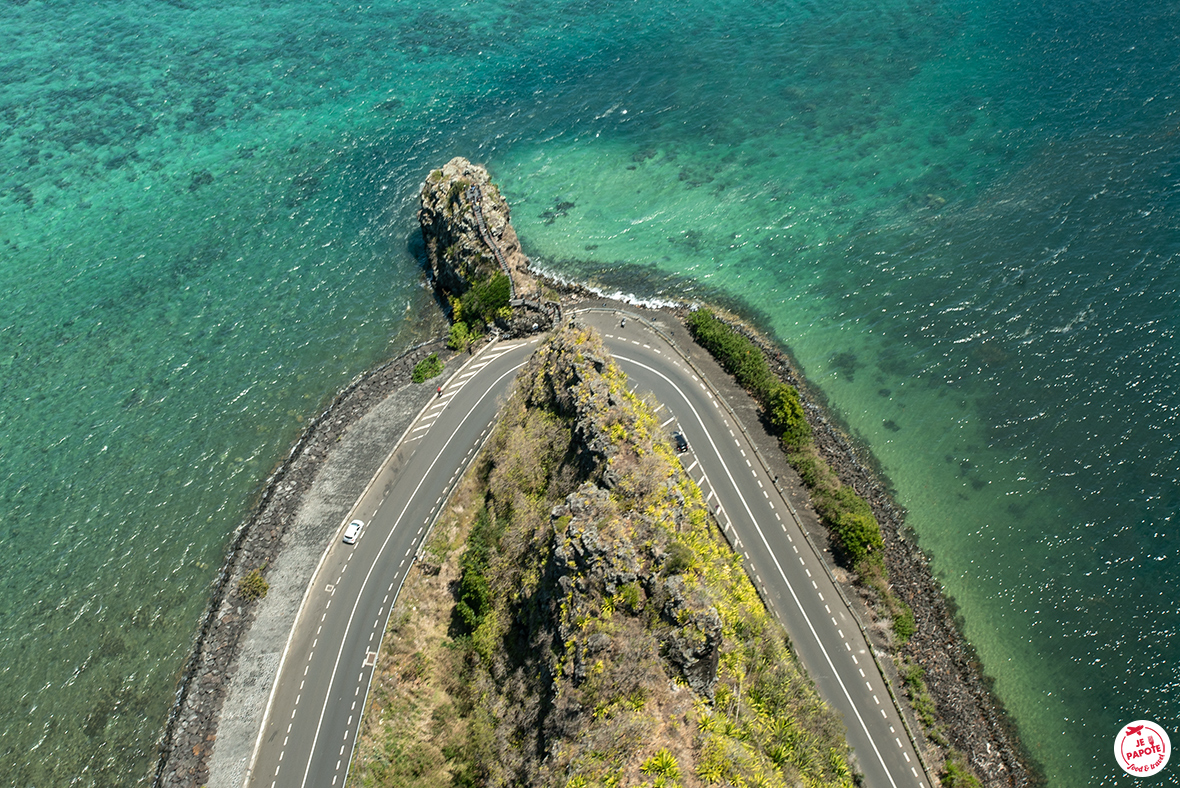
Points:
(483, 300)
(737, 355)
(920, 700)
(955, 774)
(474, 594)
(662, 764)
(459, 337)
(253, 585)
(493, 294)
(858, 535)
(911, 677)
(474, 598)
(631, 595)
(747, 363)
(786, 415)
(903, 622)
(455, 192)
(427, 368)
(811, 468)
(840, 500)
(681, 558)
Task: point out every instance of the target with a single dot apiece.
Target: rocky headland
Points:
(474, 256)
(934, 671)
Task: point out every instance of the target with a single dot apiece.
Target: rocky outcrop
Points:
(601, 629)
(467, 229)
(592, 565)
(600, 550)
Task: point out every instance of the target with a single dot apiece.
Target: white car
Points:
(353, 532)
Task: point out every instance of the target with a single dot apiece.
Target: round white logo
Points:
(1142, 748)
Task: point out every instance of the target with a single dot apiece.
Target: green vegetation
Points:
(904, 625)
(483, 299)
(848, 516)
(785, 411)
(851, 520)
(955, 773)
(455, 192)
(747, 363)
(460, 337)
(739, 356)
(912, 678)
(856, 535)
(472, 312)
(427, 368)
(681, 559)
(855, 531)
(473, 596)
(664, 768)
(253, 585)
(545, 653)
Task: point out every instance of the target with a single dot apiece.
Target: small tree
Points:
(859, 534)
(427, 368)
(459, 337)
(787, 417)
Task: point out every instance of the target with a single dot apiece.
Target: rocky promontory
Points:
(474, 256)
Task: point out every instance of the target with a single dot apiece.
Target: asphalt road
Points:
(758, 521)
(316, 705)
(315, 708)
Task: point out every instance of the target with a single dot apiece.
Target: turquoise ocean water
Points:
(962, 216)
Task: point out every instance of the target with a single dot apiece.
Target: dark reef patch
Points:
(845, 364)
(199, 179)
(560, 209)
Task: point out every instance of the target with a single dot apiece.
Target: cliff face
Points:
(601, 631)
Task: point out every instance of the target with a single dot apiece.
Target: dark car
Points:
(681, 443)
